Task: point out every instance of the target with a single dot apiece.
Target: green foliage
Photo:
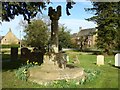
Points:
(23, 72)
(108, 77)
(107, 19)
(64, 84)
(64, 37)
(9, 46)
(36, 34)
(91, 75)
(28, 10)
(67, 83)
(82, 42)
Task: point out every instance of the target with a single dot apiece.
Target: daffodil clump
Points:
(90, 75)
(32, 63)
(23, 72)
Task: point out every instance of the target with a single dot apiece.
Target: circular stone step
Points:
(50, 72)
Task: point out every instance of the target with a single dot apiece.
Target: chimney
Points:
(80, 28)
(9, 29)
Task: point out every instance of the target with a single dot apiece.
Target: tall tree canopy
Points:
(107, 19)
(36, 34)
(27, 9)
(64, 37)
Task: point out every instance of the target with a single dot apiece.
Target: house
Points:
(9, 38)
(86, 37)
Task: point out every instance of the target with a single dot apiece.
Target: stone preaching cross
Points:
(54, 17)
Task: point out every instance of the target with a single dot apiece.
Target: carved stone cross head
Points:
(54, 15)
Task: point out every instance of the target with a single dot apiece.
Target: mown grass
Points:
(108, 77)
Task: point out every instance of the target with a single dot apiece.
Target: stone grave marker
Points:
(14, 53)
(100, 60)
(117, 60)
(68, 58)
(25, 53)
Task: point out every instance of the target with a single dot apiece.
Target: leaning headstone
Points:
(100, 60)
(14, 53)
(117, 60)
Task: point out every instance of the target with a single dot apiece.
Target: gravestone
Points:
(100, 60)
(66, 57)
(25, 54)
(76, 60)
(117, 60)
(14, 53)
(54, 17)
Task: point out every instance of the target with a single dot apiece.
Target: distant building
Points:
(88, 36)
(9, 38)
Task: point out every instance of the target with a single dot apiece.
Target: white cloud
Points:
(74, 24)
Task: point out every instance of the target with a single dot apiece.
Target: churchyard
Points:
(46, 65)
(104, 76)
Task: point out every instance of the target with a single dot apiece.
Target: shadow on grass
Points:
(11, 65)
(113, 66)
(8, 64)
(5, 56)
(94, 52)
(71, 66)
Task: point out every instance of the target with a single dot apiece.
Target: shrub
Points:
(9, 46)
(90, 75)
(64, 84)
(23, 72)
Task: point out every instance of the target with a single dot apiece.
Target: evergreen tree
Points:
(106, 17)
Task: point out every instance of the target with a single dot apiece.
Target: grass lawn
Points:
(108, 77)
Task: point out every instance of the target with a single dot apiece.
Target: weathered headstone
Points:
(14, 53)
(54, 17)
(117, 60)
(25, 53)
(100, 60)
(68, 58)
(76, 60)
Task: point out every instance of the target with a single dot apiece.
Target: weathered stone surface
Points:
(117, 60)
(100, 60)
(76, 60)
(54, 17)
(48, 72)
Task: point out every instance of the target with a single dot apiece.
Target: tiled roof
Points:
(74, 35)
(85, 32)
(1, 37)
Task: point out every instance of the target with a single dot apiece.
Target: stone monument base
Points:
(48, 72)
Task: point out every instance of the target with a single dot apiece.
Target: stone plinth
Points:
(48, 72)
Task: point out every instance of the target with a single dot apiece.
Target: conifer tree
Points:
(106, 17)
